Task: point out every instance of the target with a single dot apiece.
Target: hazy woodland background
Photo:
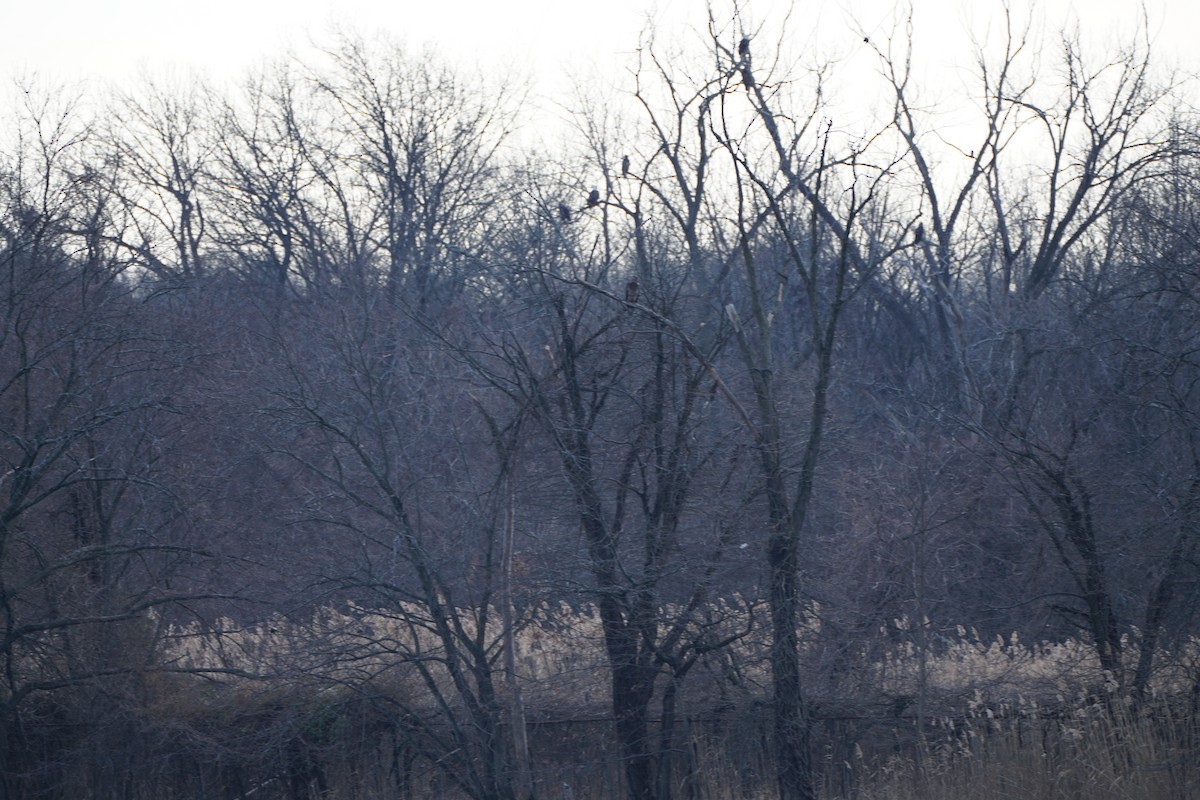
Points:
(740, 423)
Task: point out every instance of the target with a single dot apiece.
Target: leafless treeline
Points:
(335, 338)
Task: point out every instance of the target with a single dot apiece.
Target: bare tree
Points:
(1040, 259)
(422, 141)
(392, 515)
(798, 212)
(86, 534)
(160, 151)
(619, 392)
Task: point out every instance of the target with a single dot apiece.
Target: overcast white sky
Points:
(111, 40)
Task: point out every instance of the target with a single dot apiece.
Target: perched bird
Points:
(564, 213)
(593, 198)
(625, 167)
(867, 39)
(744, 66)
(631, 290)
(919, 233)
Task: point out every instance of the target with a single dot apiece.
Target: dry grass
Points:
(1092, 752)
(560, 650)
(1005, 719)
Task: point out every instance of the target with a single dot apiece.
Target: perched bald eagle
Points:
(631, 290)
(744, 53)
(919, 233)
(593, 198)
(625, 167)
(564, 213)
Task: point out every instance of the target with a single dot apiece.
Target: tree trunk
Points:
(792, 736)
(632, 688)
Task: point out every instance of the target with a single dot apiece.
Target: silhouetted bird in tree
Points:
(919, 233)
(564, 213)
(744, 53)
(631, 290)
(625, 167)
(593, 198)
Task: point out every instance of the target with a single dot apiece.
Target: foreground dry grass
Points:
(1093, 753)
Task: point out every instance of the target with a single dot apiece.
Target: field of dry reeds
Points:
(328, 697)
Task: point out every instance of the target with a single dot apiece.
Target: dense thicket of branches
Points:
(334, 341)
